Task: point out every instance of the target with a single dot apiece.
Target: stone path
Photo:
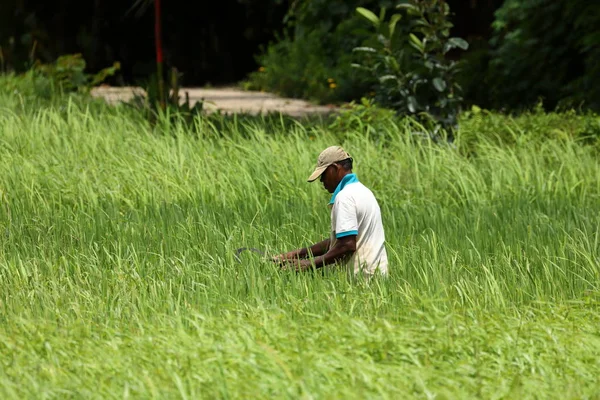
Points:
(227, 99)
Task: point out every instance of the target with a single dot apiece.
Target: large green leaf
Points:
(416, 42)
(458, 42)
(368, 15)
(364, 49)
(439, 84)
(412, 104)
(393, 21)
(410, 8)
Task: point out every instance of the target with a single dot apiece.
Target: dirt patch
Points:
(227, 100)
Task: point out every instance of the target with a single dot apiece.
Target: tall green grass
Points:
(118, 277)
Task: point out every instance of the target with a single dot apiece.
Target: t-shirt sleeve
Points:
(346, 222)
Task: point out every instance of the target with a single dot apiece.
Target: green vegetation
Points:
(118, 277)
(315, 65)
(314, 57)
(119, 224)
(562, 34)
(507, 65)
(66, 75)
(413, 73)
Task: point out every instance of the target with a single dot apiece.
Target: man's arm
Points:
(344, 248)
(315, 250)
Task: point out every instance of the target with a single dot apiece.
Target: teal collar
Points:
(346, 180)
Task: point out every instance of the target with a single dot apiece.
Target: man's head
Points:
(332, 165)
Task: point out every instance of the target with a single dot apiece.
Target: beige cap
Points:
(327, 157)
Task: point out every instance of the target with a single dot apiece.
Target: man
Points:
(357, 238)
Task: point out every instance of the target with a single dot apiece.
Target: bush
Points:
(309, 68)
(297, 69)
(407, 62)
(483, 126)
(365, 117)
(413, 72)
(313, 59)
(68, 74)
(55, 84)
(546, 49)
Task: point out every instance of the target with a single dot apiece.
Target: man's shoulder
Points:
(358, 187)
(354, 191)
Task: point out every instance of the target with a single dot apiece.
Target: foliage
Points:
(414, 73)
(474, 77)
(316, 58)
(313, 59)
(173, 109)
(118, 277)
(65, 81)
(509, 71)
(364, 116)
(58, 83)
(546, 49)
(68, 73)
(105, 31)
(533, 125)
(315, 66)
(295, 69)
(476, 126)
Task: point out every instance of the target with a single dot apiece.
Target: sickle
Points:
(242, 249)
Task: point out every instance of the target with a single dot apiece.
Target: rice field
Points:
(118, 277)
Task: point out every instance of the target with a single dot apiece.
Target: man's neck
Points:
(342, 175)
(348, 178)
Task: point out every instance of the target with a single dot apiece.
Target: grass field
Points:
(118, 277)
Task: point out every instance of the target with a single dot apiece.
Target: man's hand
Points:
(278, 259)
(297, 265)
(291, 262)
(315, 250)
(283, 258)
(299, 260)
(343, 249)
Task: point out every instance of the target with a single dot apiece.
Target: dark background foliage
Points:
(548, 49)
(209, 42)
(520, 51)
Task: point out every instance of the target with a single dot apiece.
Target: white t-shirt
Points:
(355, 211)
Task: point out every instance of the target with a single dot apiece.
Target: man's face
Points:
(329, 178)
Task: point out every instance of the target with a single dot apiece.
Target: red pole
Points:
(159, 53)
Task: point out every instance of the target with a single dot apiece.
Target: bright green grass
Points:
(117, 275)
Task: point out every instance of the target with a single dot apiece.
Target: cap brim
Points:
(317, 173)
